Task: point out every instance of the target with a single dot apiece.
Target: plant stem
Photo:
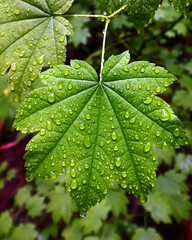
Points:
(107, 21)
(95, 16)
(85, 15)
(103, 49)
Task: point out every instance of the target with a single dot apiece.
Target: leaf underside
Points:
(31, 34)
(99, 132)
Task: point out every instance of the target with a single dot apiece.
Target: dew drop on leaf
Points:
(176, 132)
(49, 125)
(51, 97)
(87, 141)
(40, 60)
(73, 173)
(147, 147)
(13, 67)
(118, 162)
(148, 100)
(114, 136)
(62, 39)
(74, 184)
(165, 115)
(42, 132)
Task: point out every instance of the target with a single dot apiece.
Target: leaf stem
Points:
(96, 15)
(103, 49)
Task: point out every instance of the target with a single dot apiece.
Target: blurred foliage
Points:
(43, 210)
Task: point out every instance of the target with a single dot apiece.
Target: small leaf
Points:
(73, 232)
(146, 234)
(24, 232)
(142, 11)
(184, 163)
(35, 206)
(181, 207)
(60, 205)
(117, 201)
(172, 183)
(5, 223)
(23, 195)
(109, 6)
(93, 220)
(158, 205)
(37, 34)
(98, 132)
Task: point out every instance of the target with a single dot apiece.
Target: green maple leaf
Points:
(24, 232)
(117, 201)
(93, 220)
(98, 132)
(73, 232)
(23, 195)
(184, 163)
(35, 206)
(181, 5)
(146, 234)
(170, 195)
(5, 223)
(109, 6)
(181, 207)
(31, 33)
(158, 205)
(60, 205)
(140, 12)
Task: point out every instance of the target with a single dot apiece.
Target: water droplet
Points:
(70, 86)
(77, 66)
(40, 60)
(126, 115)
(148, 100)
(115, 73)
(124, 174)
(165, 146)
(156, 70)
(124, 184)
(87, 141)
(17, 12)
(115, 148)
(62, 39)
(88, 116)
(42, 132)
(142, 70)
(132, 120)
(81, 126)
(127, 86)
(147, 147)
(165, 115)
(114, 136)
(158, 133)
(51, 97)
(72, 164)
(21, 54)
(176, 132)
(13, 67)
(12, 86)
(158, 90)
(118, 162)
(49, 125)
(74, 184)
(73, 173)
